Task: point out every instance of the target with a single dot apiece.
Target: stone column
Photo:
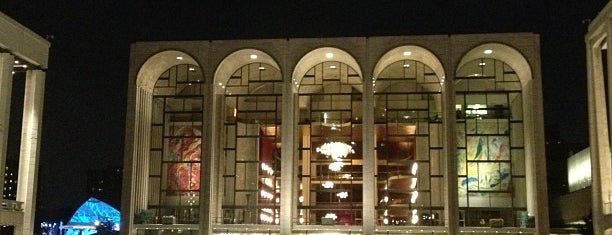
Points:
(288, 198)
(451, 204)
(30, 146)
(6, 83)
(368, 155)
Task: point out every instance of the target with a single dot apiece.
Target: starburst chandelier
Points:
(335, 150)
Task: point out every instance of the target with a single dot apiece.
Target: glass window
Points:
(330, 161)
(490, 160)
(176, 145)
(252, 146)
(409, 171)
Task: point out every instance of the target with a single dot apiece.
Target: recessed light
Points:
(332, 67)
(253, 56)
(261, 68)
(16, 61)
(179, 58)
(488, 51)
(407, 53)
(191, 69)
(482, 64)
(406, 65)
(329, 55)
(220, 84)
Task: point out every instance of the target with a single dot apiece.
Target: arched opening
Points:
(491, 151)
(408, 136)
(330, 166)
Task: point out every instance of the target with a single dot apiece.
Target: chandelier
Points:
(335, 150)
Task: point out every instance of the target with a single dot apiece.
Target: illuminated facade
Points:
(23, 56)
(437, 134)
(599, 71)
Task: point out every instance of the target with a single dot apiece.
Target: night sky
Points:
(86, 83)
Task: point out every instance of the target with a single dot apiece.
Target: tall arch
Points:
(154, 66)
(236, 60)
(496, 157)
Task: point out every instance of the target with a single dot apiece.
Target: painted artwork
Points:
(184, 146)
(481, 162)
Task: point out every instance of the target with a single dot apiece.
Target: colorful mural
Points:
(185, 148)
(485, 160)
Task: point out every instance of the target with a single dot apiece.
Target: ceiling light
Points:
(332, 67)
(335, 150)
(261, 68)
(179, 58)
(482, 64)
(406, 65)
(329, 55)
(407, 53)
(253, 56)
(191, 69)
(16, 61)
(488, 51)
(220, 84)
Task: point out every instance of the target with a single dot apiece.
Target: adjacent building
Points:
(435, 134)
(599, 71)
(23, 55)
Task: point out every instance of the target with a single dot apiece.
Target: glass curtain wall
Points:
(252, 146)
(330, 160)
(408, 127)
(176, 145)
(490, 149)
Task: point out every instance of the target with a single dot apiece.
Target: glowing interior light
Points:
(328, 184)
(406, 65)
(386, 199)
(488, 51)
(482, 64)
(191, 69)
(415, 167)
(220, 84)
(347, 176)
(265, 167)
(415, 217)
(386, 213)
(261, 68)
(342, 195)
(332, 67)
(329, 55)
(414, 197)
(336, 166)
(386, 221)
(407, 53)
(331, 216)
(301, 220)
(179, 58)
(335, 150)
(301, 199)
(16, 61)
(413, 183)
(253, 56)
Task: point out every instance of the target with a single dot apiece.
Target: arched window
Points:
(490, 145)
(252, 145)
(330, 136)
(408, 127)
(176, 144)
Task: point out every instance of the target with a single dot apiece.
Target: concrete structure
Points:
(598, 76)
(437, 134)
(25, 54)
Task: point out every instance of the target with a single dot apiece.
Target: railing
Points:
(12, 205)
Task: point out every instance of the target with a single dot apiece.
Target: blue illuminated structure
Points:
(91, 214)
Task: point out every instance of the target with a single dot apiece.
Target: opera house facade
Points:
(432, 134)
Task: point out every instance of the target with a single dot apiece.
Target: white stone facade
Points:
(311, 87)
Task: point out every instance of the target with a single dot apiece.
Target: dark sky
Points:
(85, 99)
